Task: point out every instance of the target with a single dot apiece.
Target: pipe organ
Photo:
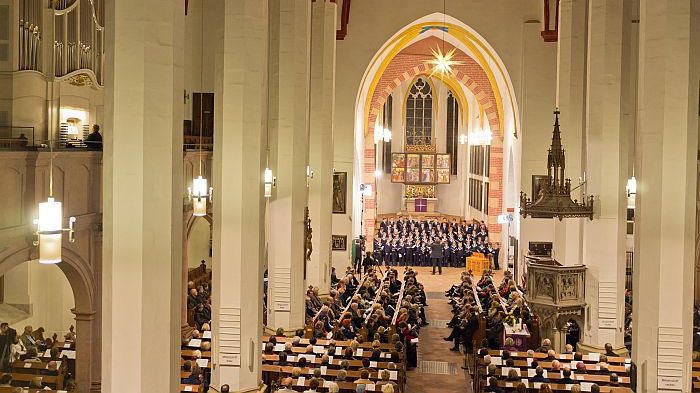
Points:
(70, 29)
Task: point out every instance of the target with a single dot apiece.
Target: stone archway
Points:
(481, 73)
(80, 276)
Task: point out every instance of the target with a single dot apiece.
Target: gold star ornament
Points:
(442, 63)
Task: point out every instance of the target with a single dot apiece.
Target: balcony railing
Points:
(16, 138)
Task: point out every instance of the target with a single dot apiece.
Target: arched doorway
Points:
(80, 276)
(199, 242)
(482, 88)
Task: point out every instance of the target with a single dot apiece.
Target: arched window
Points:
(452, 132)
(419, 114)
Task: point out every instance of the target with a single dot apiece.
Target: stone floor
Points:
(432, 348)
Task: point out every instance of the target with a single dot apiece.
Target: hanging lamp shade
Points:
(269, 180)
(631, 186)
(200, 194)
(50, 231)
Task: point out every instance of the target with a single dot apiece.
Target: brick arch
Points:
(405, 67)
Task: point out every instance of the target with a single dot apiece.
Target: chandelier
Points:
(554, 199)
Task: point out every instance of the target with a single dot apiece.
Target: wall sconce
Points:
(463, 139)
(270, 181)
(382, 134)
(366, 190)
(481, 137)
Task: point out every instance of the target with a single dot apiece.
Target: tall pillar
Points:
(606, 169)
(142, 196)
(83, 349)
(323, 22)
(571, 63)
(289, 153)
(239, 162)
(666, 171)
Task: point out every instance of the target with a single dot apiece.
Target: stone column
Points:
(606, 163)
(666, 171)
(239, 161)
(142, 281)
(321, 141)
(571, 63)
(289, 154)
(83, 348)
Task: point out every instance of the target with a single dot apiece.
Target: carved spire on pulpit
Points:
(554, 199)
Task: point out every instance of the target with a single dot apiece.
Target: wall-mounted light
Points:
(309, 176)
(50, 225)
(382, 134)
(366, 190)
(269, 182)
(463, 139)
(480, 137)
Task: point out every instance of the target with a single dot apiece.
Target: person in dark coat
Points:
(436, 255)
(94, 139)
(368, 262)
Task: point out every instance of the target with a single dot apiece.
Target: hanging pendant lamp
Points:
(200, 192)
(50, 224)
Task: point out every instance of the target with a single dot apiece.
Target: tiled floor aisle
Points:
(432, 347)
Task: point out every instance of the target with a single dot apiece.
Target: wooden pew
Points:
(696, 377)
(23, 379)
(4, 389)
(190, 388)
(330, 374)
(555, 376)
(339, 353)
(563, 358)
(344, 386)
(354, 364)
(201, 363)
(189, 354)
(25, 371)
(338, 343)
(534, 387)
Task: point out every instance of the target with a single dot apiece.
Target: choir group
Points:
(408, 242)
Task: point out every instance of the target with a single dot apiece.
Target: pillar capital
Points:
(83, 315)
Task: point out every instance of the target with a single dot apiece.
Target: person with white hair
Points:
(546, 346)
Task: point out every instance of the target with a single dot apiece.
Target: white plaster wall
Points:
(343, 223)
(199, 59)
(16, 285)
